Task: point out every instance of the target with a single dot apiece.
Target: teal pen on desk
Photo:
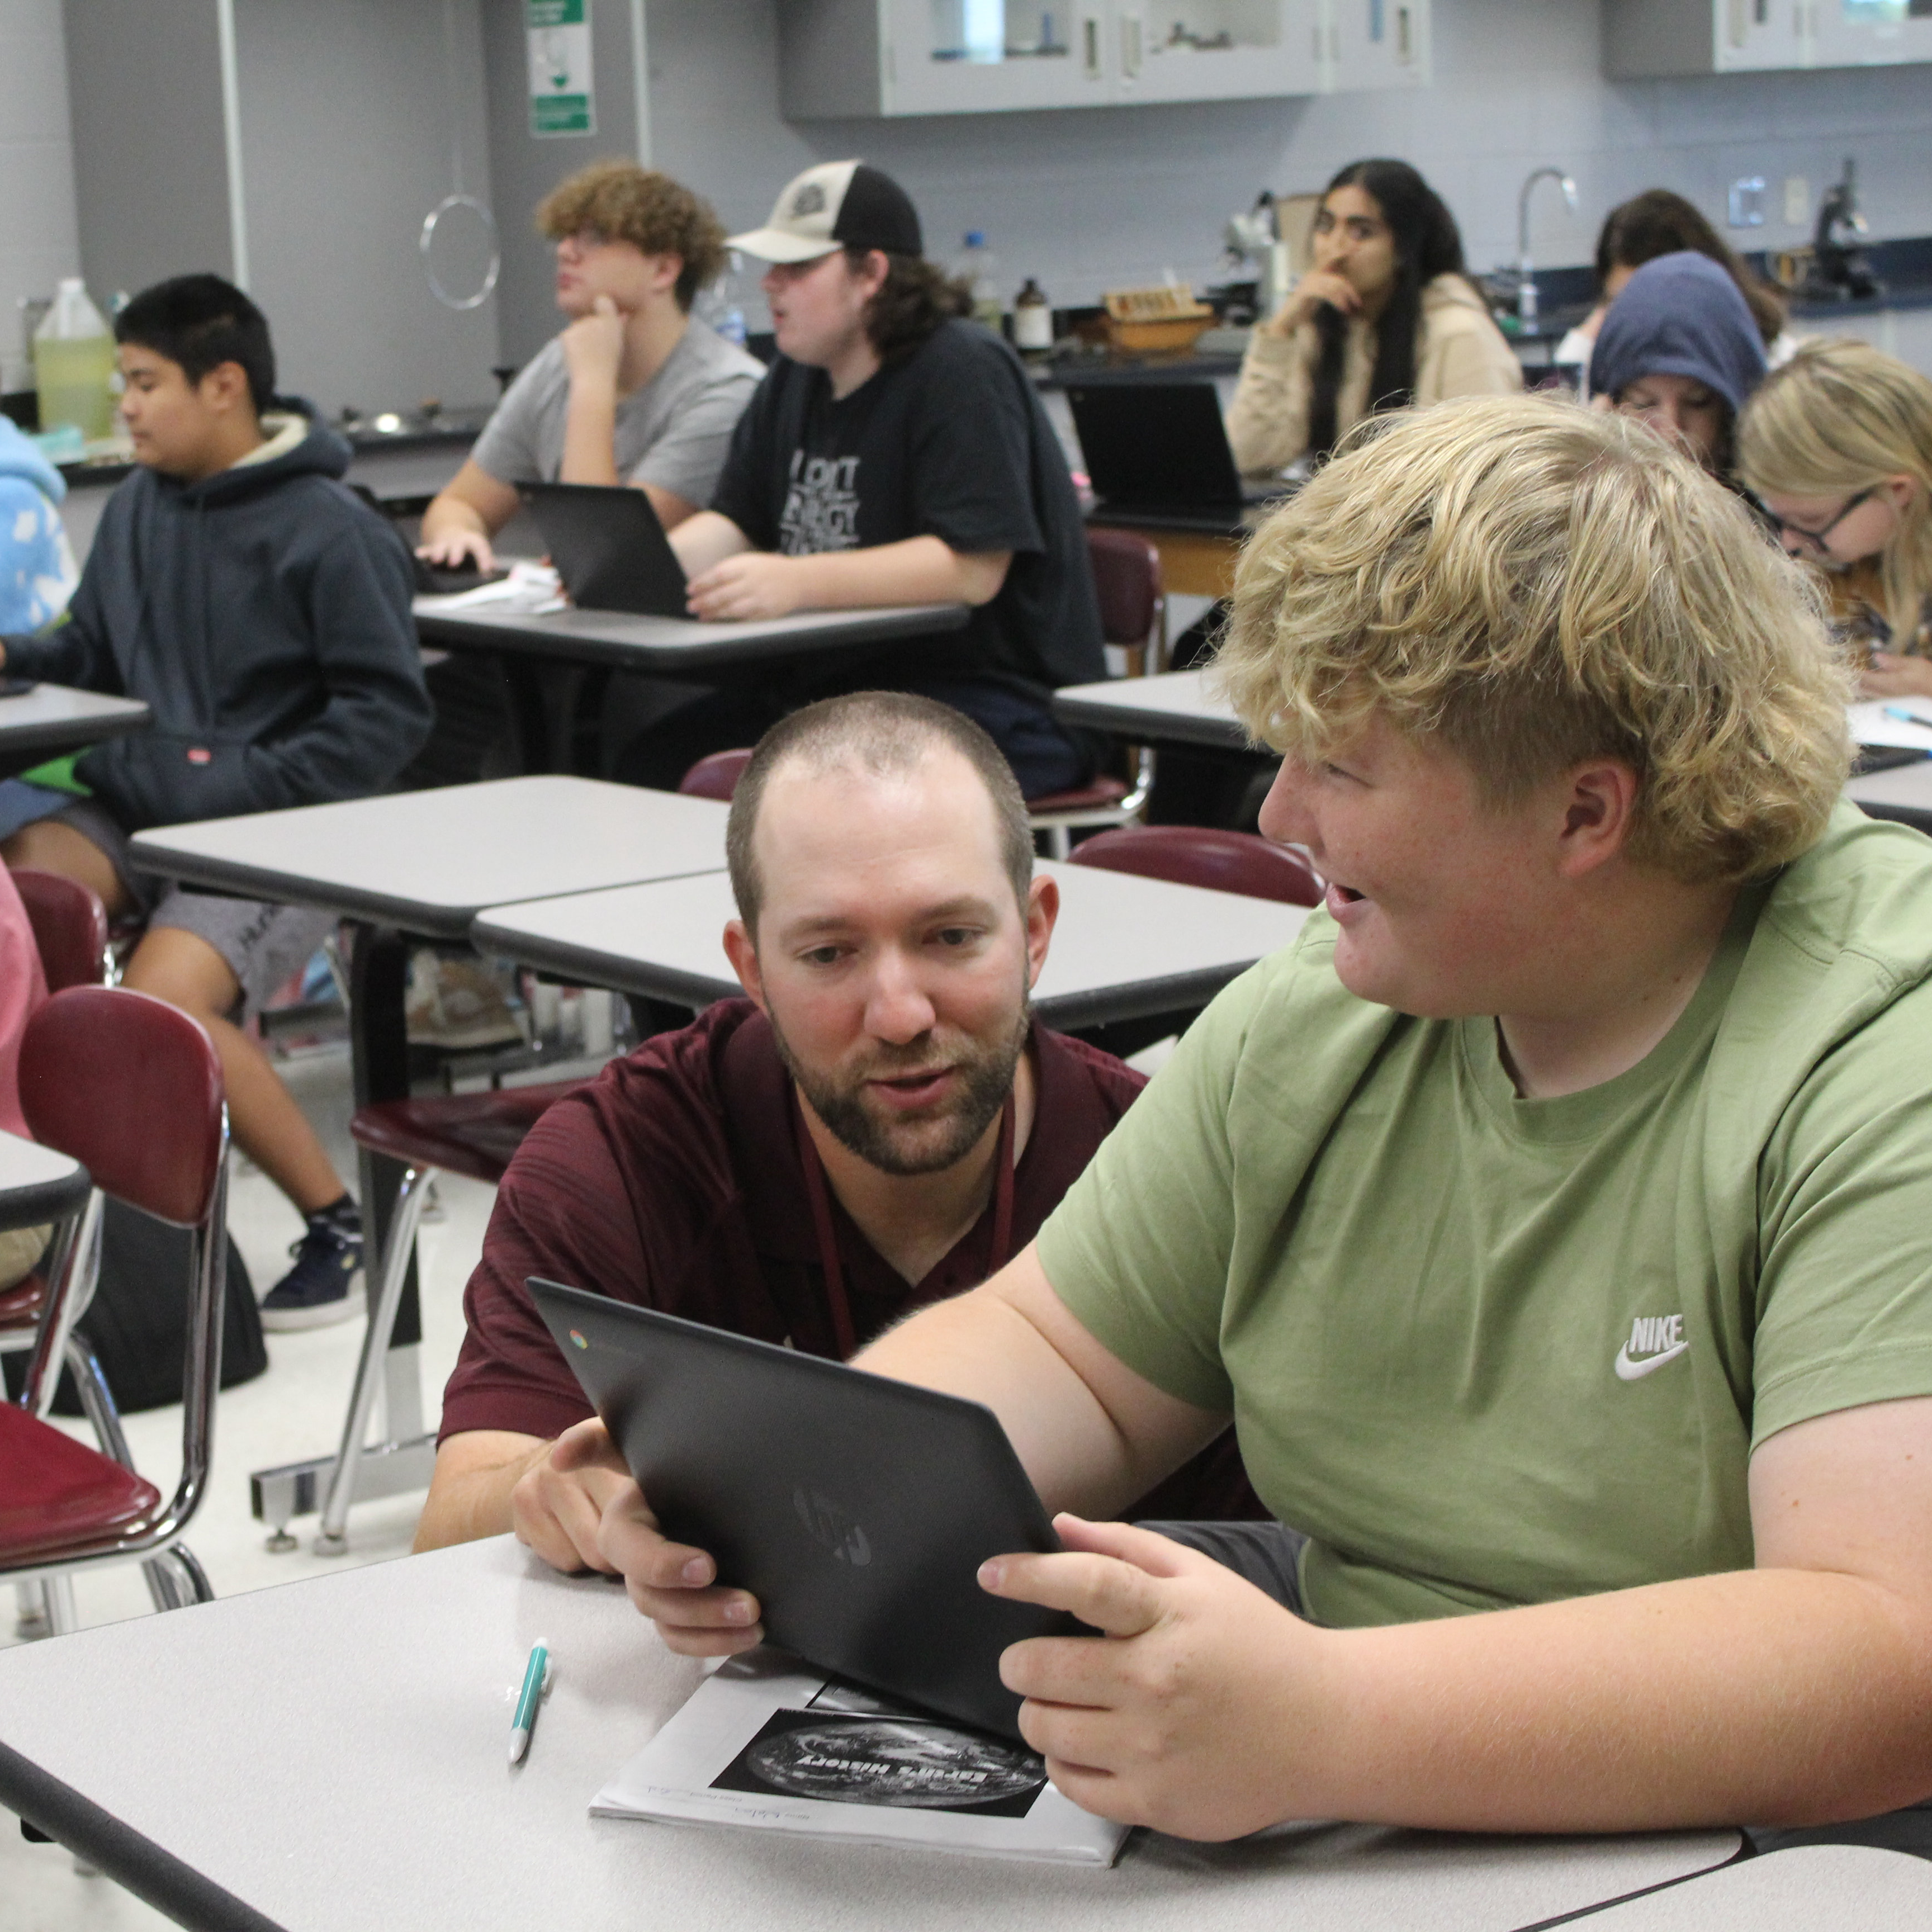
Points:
(536, 1681)
(1907, 714)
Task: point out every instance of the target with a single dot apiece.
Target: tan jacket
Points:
(1460, 352)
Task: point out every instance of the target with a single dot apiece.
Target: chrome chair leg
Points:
(341, 1491)
(61, 1616)
(195, 1586)
(30, 1618)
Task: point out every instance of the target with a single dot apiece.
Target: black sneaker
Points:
(324, 1285)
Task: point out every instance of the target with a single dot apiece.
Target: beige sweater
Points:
(1459, 351)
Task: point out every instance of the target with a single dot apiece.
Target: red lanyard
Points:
(843, 1333)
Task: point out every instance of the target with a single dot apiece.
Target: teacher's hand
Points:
(753, 584)
(675, 1586)
(1190, 1714)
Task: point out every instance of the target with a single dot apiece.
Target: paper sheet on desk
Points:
(1870, 725)
(530, 590)
(766, 1744)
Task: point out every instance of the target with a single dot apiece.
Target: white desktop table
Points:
(330, 1756)
(424, 862)
(51, 718)
(1810, 1888)
(38, 1184)
(1124, 947)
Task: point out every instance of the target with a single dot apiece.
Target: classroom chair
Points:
(473, 1134)
(70, 927)
(130, 1087)
(1133, 615)
(1202, 855)
(716, 775)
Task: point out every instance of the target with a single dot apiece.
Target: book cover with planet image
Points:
(766, 1744)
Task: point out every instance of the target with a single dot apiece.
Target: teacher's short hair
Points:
(1532, 585)
(886, 734)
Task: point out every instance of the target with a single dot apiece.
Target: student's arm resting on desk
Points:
(553, 1494)
(748, 583)
(465, 514)
(73, 650)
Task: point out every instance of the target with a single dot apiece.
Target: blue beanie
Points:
(1680, 315)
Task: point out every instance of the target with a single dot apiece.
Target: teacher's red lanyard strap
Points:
(843, 1333)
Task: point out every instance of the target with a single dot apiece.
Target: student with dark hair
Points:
(262, 610)
(1386, 317)
(1679, 349)
(635, 390)
(895, 454)
(1657, 223)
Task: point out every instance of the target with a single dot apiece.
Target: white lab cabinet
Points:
(1646, 39)
(1376, 43)
(848, 57)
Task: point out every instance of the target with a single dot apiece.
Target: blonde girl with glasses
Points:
(1838, 444)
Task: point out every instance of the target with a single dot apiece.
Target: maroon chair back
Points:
(69, 928)
(1126, 576)
(1199, 855)
(717, 775)
(130, 1087)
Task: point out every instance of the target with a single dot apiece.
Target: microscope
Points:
(1839, 272)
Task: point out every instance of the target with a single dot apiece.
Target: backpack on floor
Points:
(137, 1322)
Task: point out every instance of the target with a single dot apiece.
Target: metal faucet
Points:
(1526, 285)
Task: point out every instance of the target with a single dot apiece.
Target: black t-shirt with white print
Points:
(947, 441)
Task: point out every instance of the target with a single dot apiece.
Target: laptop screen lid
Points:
(857, 1509)
(609, 547)
(1157, 444)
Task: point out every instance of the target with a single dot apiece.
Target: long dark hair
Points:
(1427, 243)
(1659, 223)
(916, 297)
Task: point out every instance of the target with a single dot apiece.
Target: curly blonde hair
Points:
(1839, 416)
(655, 214)
(1533, 585)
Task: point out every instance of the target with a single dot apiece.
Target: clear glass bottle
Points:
(978, 268)
(1032, 319)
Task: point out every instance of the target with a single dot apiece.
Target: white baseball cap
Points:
(836, 204)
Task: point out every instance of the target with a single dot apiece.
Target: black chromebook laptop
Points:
(856, 1509)
(1160, 446)
(609, 547)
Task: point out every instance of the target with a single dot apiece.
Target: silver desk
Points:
(1173, 707)
(51, 718)
(1124, 946)
(330, 1756)
(424, 862)
(1810, 1888)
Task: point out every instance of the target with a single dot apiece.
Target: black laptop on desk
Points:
(856, 1509)
(608, 548)
(1160, 447)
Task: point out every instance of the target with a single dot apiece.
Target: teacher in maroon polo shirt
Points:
(878, 1125)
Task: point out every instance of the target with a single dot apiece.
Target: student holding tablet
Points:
(1551, 1216)
(877, 1125)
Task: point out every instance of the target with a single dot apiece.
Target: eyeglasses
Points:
(584, 240)
(1815, 539)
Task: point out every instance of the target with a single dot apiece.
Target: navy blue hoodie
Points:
(1680, 315)
(263, 613)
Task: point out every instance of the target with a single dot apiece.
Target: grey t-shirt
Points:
(674, 432)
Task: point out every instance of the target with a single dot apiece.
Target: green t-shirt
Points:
(1488, 1350)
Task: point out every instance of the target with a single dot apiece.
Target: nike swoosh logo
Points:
(1628, 1371)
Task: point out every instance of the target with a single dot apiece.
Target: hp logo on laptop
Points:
(831, 1529)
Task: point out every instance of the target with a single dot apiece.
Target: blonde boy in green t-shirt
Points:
(1554, 1219)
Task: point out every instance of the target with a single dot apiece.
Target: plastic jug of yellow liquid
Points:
(73, 362)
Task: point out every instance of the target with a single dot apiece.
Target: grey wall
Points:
(39, 239)
(346, 126)
(524, 169)
(1087, 200)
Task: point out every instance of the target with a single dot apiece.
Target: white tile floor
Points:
(294, 1410)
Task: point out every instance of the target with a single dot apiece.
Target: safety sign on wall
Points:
(562, 99)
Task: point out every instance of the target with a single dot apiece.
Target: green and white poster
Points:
(562, 98)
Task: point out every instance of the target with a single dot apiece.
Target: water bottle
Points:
(719, 305)
(73, 364)
(978, 268)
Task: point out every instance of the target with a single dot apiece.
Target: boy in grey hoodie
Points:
(262, 611)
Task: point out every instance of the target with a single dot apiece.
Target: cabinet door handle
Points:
(1405, 37)
(1130, 45)
(1090, 46)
